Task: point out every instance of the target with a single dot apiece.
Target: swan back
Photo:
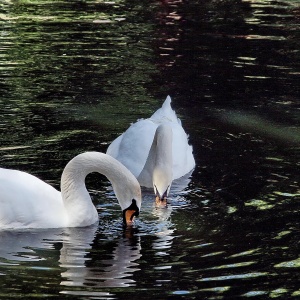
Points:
(133, 147)
(28, 202)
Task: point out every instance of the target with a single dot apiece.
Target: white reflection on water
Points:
(19, 248)
(115, 271)
(235, 276)
(164, 231)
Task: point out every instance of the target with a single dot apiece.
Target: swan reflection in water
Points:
(162, 227)
(78, 265)
(114, 268)
(24, 245)
(112, 272)
(86, 257)
(164, 235)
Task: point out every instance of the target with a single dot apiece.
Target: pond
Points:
(75, 74)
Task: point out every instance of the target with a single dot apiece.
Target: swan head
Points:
(130, 213)
(130, 200)
(128, 192)
(161, 183)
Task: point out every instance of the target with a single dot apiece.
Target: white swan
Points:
(155, 150)
(28, 202)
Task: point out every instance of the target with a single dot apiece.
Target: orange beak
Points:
(160, 202)
(129, 217)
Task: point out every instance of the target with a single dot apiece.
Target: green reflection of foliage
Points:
(289, 264)
(262, 126)
(259, 204)
(282, 234)
(76, 58)
(278, 293)
(273, 199)
(235, 265)
(247, 253)
(286, 194)
(297, 293)
(217, 290)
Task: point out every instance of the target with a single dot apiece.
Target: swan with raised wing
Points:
(28, 202)
(156, 151)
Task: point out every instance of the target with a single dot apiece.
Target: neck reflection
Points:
(106, 267)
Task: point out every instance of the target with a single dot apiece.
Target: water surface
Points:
(75, 74)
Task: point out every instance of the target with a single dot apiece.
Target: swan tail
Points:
(165, 112)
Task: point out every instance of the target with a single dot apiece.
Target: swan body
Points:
(28, 202)
(155, 150)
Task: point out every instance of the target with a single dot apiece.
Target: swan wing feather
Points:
(27, 201)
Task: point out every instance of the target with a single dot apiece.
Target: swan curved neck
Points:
(74, 193)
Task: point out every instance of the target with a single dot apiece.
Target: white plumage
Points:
(159, 140)
(28, 202)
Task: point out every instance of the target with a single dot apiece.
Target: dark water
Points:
(75, 74)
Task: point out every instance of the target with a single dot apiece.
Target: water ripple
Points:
(235, 276)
